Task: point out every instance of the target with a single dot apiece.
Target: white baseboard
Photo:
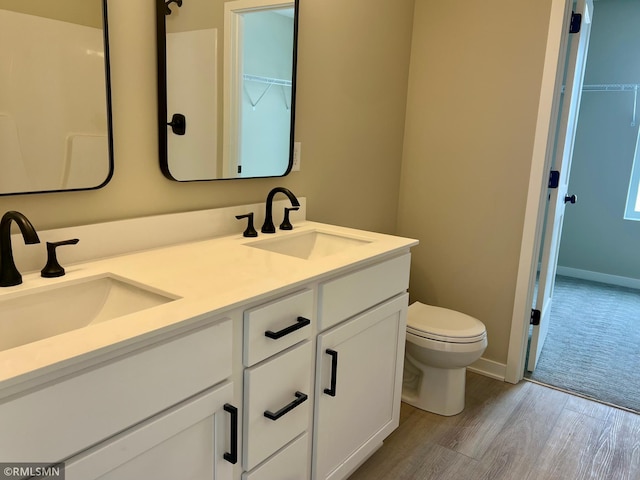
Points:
(488, 368)
(599, 277)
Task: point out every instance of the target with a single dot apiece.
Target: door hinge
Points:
(535, 317)
(576, 21)
(554, 179)
(239, 168)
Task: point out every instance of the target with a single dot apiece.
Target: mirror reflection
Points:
(54, 100)
(226, 88)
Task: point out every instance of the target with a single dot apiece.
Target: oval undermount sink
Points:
(310, 245)
(34, 315)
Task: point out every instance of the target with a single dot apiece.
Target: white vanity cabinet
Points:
(268, 366)
(333, 375)
(359, 365)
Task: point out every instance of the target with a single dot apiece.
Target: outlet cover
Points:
(297, 149)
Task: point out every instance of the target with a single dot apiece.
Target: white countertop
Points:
(210, 277)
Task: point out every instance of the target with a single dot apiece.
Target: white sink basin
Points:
(309, 245)
(30, 316)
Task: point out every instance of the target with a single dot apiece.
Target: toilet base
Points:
(436, 390)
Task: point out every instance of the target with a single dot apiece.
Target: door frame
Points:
(543, 150)
(233, 70)
(564, 142)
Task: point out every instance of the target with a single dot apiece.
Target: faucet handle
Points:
(286, 224)
(250, 231)
(53, 268)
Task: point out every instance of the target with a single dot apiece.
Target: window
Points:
(632, 210)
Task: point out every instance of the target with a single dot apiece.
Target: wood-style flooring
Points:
(511, 432)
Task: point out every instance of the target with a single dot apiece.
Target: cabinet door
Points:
(358, 388)
(189, 442)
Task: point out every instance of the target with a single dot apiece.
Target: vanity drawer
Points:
(66, 416)
(279, 387)
(292, 463)
(276, 326)
(353, 293)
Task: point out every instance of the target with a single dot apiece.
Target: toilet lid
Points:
(443, 324)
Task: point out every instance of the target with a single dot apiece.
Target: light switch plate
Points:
(297, 149)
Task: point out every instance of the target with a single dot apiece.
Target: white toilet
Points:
(440, 345)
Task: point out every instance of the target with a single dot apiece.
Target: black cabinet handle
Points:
(300, 322)
(334, 372)
(300, 398)
(232, 457)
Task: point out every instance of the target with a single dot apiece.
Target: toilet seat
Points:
(443, 325)
(444, 338)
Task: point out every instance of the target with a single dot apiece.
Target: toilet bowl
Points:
(440, 345)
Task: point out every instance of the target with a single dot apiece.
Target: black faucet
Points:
(9, 274)
(268, 226)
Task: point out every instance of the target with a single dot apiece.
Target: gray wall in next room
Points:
(595, 236)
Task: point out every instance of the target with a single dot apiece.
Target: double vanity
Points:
(174, 347)
(276, 357)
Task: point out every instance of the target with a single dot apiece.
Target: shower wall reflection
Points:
(53, 105)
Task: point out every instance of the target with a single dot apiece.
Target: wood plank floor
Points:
(511, 432)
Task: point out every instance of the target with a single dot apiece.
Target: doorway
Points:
(560, 150)
(598, 244)
(544, 146)
(259, 38)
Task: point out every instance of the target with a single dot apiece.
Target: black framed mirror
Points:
(226, 88)
(55, 100)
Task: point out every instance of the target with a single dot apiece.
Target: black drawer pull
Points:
(232, 457)
(334, 372)
(300, 398)
(300, 322)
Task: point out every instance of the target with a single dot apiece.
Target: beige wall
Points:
(353, 67)
(84, 12)
(470, 119)
(476, 69)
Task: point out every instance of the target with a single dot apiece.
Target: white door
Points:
(558, 197)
